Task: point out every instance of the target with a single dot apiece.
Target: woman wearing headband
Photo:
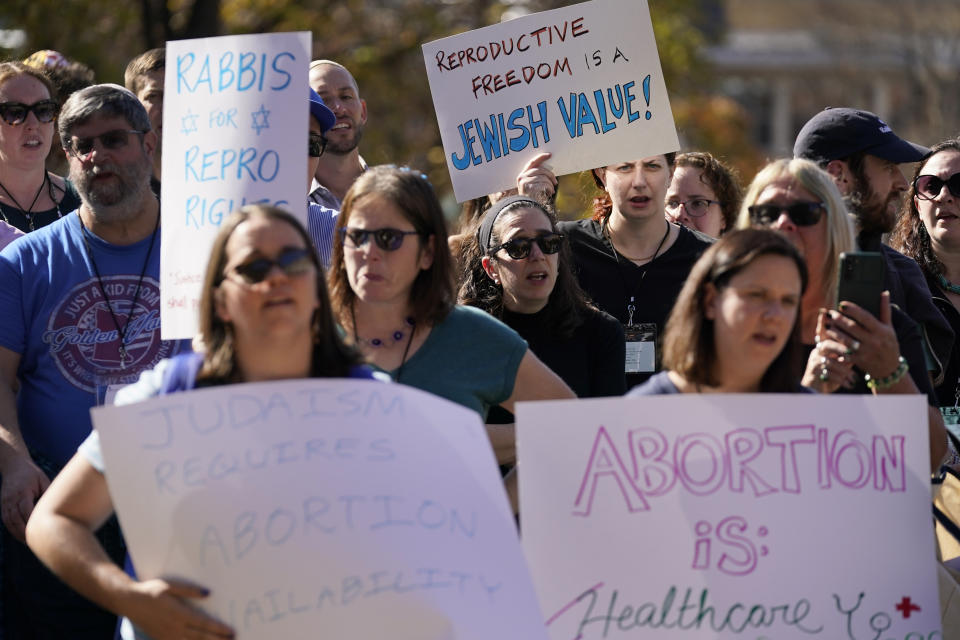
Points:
(391, 282)
(30, 196)
(516, 267)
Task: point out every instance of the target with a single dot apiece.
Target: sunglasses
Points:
(14, 113)
(111, 140)
(292, 262)
(386, 238)
(316, 146)
(929, 187)
(519, 248)
(803, 214)
(696, 208)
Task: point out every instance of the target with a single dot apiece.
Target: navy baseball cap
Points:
(321, 112)
(837, 132)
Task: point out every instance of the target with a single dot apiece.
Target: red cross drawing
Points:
(906, 607)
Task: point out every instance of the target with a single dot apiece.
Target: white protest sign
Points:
(322, 508)
(730, 516)
(582, 82)
(234, 132)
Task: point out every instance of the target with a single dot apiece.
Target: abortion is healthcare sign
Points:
(234, 133)
(730, 516)
(582, 82)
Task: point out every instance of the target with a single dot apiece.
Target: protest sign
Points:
(582, 82)
(730, 516)
(234, 132)
(322, 508)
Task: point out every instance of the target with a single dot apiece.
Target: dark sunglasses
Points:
(111, 140)
(292, 262)
(386, 238)
(14, 113)
(929, 187)
(519, 248)
(803, 214)
(316, 146)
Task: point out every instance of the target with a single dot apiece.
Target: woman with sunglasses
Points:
(392, 287)
(516, 267)
(30, 196)
(735, 327)
(928, 232)
(265, 315)
(704, 194)
(848, 349)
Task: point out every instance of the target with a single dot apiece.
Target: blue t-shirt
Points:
(53, 313)
(470, 358)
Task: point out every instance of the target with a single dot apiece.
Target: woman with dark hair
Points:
(392, 288)
(735, 327)
(516, 267)
(704, 194)
(629, 259)
(265, 315)
(30, 196)
(928, 232)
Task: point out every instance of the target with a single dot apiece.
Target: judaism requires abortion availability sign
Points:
(234, 133)
(322, 509)
(582, 82)
(726, 516)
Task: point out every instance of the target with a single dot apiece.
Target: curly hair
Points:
(602, 205)
(722, 179)
(910, 236)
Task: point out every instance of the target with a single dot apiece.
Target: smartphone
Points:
(861, 279)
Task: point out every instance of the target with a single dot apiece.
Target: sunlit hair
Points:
(567, 302)
(432, 294)
(840, 233)
(331, 356)
(910, 236)
(137, 69)
(602, 204)
(105, 101)
(689, 348)
(722, 179)
(10, 70)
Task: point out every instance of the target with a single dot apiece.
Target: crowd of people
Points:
(679, 280)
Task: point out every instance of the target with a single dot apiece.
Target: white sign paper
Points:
(322, 509)
(234, 133)
(582, 82)
(730, 516)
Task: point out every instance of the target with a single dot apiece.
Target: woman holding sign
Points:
(391, 282)
(735, 328)
(265, 315)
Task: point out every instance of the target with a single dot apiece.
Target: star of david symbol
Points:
(260, 119)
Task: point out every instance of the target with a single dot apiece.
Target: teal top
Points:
(470, 358)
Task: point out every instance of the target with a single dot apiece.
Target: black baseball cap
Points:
(837, 132)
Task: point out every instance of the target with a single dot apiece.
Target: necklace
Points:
(396, 336)
(28, 211)
(946, 284)
(121, 331)
(645, 258)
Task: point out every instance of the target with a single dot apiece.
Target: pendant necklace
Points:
(121, 331)
(27, 212)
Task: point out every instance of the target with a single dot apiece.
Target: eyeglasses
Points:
(803, 214)
(696, 207)
(519, 248)
(929, 187)
(14, 113)
(316, 146)
(386, 238)
(292, 262)
(111, 140)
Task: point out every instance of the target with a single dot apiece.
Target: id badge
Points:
(641, 347)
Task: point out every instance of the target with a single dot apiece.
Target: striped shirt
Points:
(320, 225)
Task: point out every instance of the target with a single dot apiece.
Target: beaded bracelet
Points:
(890, 380)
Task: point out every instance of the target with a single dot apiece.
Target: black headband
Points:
(486, 227)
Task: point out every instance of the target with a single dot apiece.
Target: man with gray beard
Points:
(79, 317)
(341, 162)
